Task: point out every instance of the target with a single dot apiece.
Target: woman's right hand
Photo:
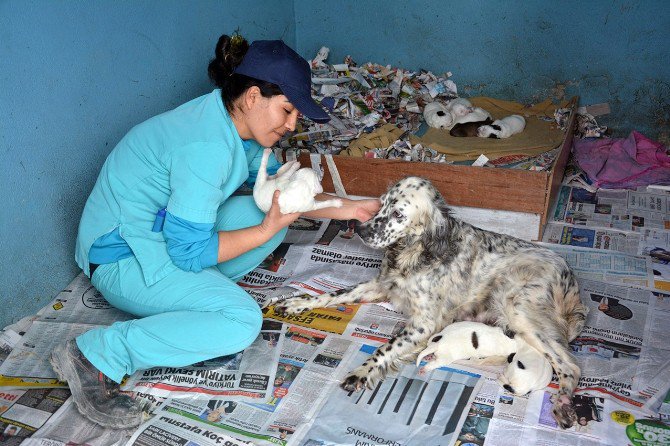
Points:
(274, 220)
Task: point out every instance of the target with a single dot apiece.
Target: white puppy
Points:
(459, 107)
(438, 115)
(297, 188)
(503, 128)
(527, 369)
(476, 114)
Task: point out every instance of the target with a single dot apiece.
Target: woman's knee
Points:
(274, 242)
(246, 320)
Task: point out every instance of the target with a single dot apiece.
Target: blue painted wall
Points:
(604, 51)
(75, 76)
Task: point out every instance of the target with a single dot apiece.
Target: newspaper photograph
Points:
(625, 210)
(497, 418)
(406, 408)
(606, 266)
(308, 369)
(173, 429)
(23, 412)
(611, 350)
(584, 237)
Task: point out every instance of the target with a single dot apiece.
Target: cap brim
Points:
(305, 104)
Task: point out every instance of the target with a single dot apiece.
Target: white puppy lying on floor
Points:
(527, 369)
(297, 188)
(457, 111)
(503, 128)
(438, 115)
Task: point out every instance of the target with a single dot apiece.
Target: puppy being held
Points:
(298, 188)
(503, 128)
(527, 369)
(437, 269)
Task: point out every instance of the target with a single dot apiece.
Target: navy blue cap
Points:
(273, 61)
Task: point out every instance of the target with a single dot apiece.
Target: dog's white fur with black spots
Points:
(437, 270)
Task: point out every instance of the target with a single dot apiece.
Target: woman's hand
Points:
(365, 209)
(274, 220)
(361, 210)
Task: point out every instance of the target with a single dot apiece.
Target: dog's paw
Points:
(564, 412)
(361, 378)
(294, 305)
(355, 382)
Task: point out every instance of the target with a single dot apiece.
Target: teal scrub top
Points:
(188, 160)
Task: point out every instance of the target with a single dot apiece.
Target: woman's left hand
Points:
(361, 210)
(365, 209)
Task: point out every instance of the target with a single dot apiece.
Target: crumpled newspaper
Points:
(403, 149)
(586, 126)
(362, 98)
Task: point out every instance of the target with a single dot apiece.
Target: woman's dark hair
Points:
(229, 54)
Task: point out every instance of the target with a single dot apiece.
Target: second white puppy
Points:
(503, 128)
(297, 188)
(527, 369)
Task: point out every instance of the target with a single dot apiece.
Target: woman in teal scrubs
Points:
(162, 237)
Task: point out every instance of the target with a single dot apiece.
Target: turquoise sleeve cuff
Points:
(187, 241)
(210, 255)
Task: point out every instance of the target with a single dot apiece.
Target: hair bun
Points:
(229, 53)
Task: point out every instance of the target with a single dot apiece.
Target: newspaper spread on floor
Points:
(284, 389)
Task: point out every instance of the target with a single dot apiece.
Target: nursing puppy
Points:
(437, 269)
(297, 187)
(476, 114)
(527, 369)
(468, 129)
(459, 107)
(503, 128)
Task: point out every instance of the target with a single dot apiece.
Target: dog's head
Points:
(527, 370)
(411, 209)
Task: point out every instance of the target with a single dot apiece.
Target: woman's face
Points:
(265, 120)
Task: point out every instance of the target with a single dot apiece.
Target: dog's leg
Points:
(552, 344)
(364, 292)
(287, 168)
(388, 357)
(334, 203)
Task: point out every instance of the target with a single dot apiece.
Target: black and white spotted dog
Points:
(438, 270)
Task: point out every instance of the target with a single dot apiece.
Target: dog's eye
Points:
(397, 215)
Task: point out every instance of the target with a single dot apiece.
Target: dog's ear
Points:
(438, 222)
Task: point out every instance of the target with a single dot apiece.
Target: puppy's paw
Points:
(359, 379)
(564, 412)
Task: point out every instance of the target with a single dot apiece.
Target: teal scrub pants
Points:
(185, 317)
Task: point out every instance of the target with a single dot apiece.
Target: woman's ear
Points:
(251, 97)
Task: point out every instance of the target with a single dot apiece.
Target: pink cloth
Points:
(623, 163)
